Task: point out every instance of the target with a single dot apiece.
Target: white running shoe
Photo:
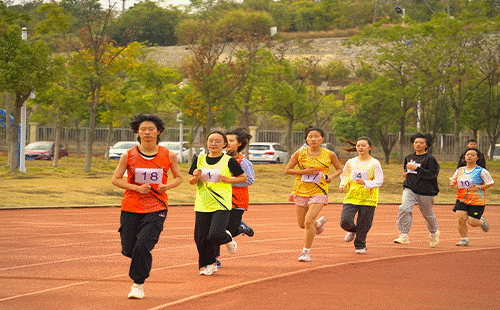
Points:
(350, 236)
(231, 246)
(361, 251)
(484, 226)
(209, 270)
(304, 257)
(463, 242)
(136, 292)
(320, 222)
(402, 239)
(434, 239)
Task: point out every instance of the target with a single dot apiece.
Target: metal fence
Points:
(443, 148)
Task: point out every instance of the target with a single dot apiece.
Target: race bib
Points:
(312, 178)
(148, 175)
(210, 175)
(413, 163)
(464, 183)
(358, 174)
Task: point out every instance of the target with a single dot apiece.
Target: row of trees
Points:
(152, 23)
(444, 70)
(93, 80)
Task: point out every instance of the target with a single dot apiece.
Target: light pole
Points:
(181, 135)
(22, 138)
(401, 12)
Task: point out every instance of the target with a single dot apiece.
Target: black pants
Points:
(209, 234)
(363, 222)
(139, 234)
(234, 225)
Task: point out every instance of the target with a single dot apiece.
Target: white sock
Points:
(305, 250)
(466, 239)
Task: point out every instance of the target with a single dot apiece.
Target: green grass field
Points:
(69, 185)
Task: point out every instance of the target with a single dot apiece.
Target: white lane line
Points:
(239, 284)
(296, 272)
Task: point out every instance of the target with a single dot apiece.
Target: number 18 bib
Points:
(148, 175)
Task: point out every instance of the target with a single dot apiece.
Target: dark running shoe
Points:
(247, 230)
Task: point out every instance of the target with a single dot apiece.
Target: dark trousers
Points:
(209, 234)
(234, 225)
(363, 222)
(139, 233)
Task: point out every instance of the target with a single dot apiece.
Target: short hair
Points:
(471, 140)
(242, 136)
(427, 137)
(479, 155)
(138, 119)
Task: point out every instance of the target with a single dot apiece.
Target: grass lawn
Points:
(69, 185)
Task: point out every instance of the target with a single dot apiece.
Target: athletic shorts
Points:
(306, 201)
(472, 211)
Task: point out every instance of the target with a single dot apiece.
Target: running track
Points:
(70, 259)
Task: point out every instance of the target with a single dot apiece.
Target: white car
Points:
(267, 152)
(174, 147)
(116, 151)
(496, 154)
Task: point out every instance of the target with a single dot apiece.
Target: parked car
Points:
(327, 146)
(496, 154)
(266, 152)
(116, 151)
(43, 150)
(174, 146)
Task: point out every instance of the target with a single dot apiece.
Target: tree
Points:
(375, 107)
(95, 62)
(214, 79)
(288, 92)
(24, 67)
(486, 99)
(393, 58)
(57, 104)
(148, 23)
(453, 44)
(155, 79)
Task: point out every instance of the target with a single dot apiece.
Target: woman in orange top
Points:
(144, 204)
(237, 140)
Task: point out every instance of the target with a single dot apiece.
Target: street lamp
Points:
(181, 135)
(22, 138)
(401, 12)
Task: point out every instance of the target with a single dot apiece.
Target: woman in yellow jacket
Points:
(361, 179)
(212, 174)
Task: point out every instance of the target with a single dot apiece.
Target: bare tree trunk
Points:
(288, 141)
(456, 131)
(109, 140)
(77, 139)
(90, 139)
(92, 124)
(58, 142)
(401, 139)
